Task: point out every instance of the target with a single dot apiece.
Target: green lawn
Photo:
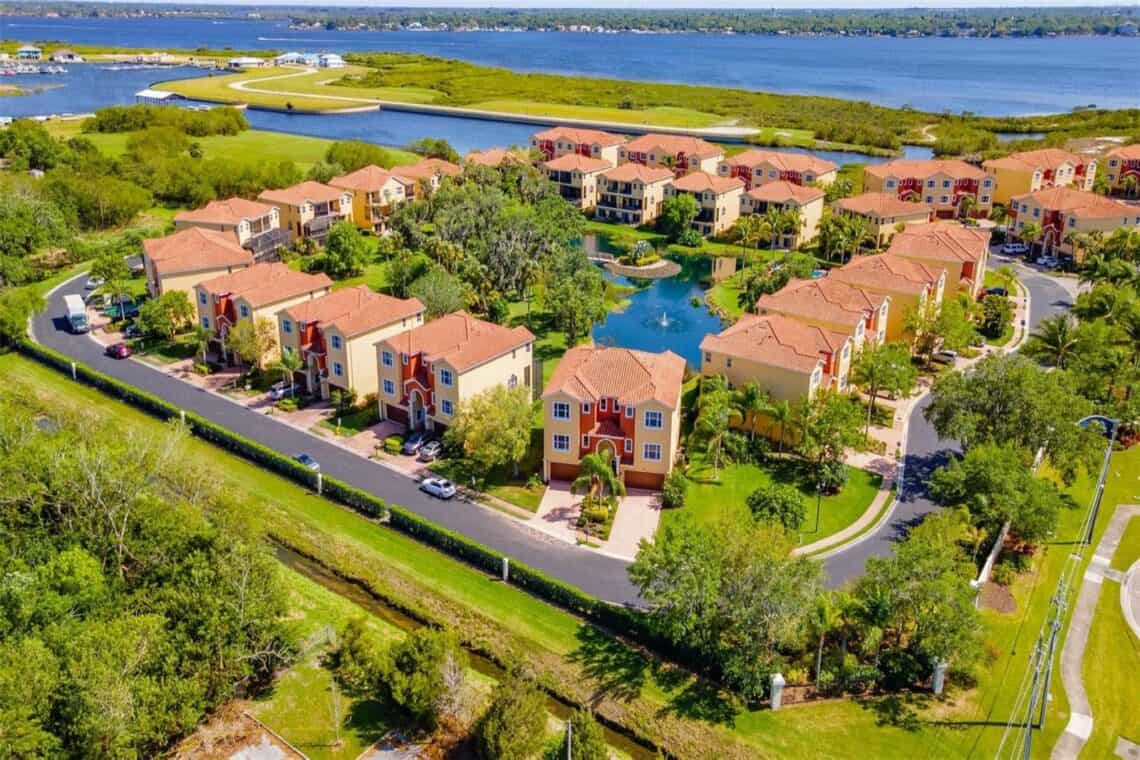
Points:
(353, 422)
(1129, 549)
(711, 498)
(725, 295)
(166, 351)
(437, 585)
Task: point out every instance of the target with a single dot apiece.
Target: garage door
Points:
(563, 471)
(396, 414)
(649, 480)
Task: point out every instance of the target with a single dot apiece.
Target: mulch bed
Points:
(996, 597)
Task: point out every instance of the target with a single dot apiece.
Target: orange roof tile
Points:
(882, 205)
(494, 157)
(825, 299)
(428, 168)
(1077, 203)
(266, 284)
(354, 311)
(906, 167)
(888, 272)
(578, 136)
(777, 341)
(461, 340)
(570, 162)
(947, 241)
(1126, 152)
(673, 144)
(368, 179)
(194, 250)
(231, 211)
(782, 191)
(699, 182)
(315, 192)
(783, 160)
(1032, 160)
(638, 172)
(592, 373)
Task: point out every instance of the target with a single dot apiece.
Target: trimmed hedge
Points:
(618, 619)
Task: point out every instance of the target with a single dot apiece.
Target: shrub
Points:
(588, 742)
(515, 723)
(645, 261)
(832, 476)
(759, 448)
(675, 489)
(690, 238)
(393, 444)
(779, 505)
(419, 669)
(1003, 574)
(201, 369)
(287, 404)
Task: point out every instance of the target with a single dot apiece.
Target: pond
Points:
(660, 314)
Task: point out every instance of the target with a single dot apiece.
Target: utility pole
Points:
(1032, 701)
(1058, 613)
(569, 738)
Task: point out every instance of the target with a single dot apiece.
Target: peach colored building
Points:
(787, 358)
(910, 285)
(884, 212)
(335, 336)
(615, 400)
(577, 177)
(260, 291)
(427, 174)
(495, 157)
(680, 154)
(759, 167)
(834, 305)
(426, 373)
(1033, 170)
(309, 209)
(376, 193)
(632, 193)
(183, 259)
(787, 196)
(1061, 211)
(592, 143)
(938, 182)
(963, 251)
(256, 226)
(1122, 167)
(718, 200)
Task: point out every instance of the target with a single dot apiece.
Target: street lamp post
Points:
(818, 503)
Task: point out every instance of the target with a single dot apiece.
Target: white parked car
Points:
(278, 391)
(1015, 248)
(438, 487)
(1047, 261)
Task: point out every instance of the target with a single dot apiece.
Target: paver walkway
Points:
(1080, 723)
(637, 517)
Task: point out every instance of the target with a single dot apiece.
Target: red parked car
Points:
(119, 351)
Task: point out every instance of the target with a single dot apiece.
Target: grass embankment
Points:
(252, 145)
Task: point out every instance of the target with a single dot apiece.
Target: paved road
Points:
(602, 576)
(925, 451)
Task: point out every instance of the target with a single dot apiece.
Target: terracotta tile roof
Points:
(494, 157)
(782, 160)
(570, 162)
(673, 144)
(266, 284)
(782, 191)
(354, 311)
(1032, 160)
(229, 212)
(461, 340)
(825, 299)
(1077, 203)
(638, 172)
(194, 250)
(884, 271)
(777, 341)
(882, 205)
(591, 373)
(369, 179)
(699, 182)
(905, 167)
(947, 241)
(1126, 152)
(576, 135)
(296, 195)
(428, 168)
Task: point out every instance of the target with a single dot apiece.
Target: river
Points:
(992, 76)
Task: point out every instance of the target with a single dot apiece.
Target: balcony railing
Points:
(266, 245)
(626, 204)
(319, 226)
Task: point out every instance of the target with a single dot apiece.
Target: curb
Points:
(1130, 577)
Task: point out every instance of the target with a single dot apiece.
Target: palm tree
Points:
(1054, 341)
(781, 414)
(712, 426)
(288, 365)
(824, 618)
(773, 224)
(751, 401)
(202, 340)
(1005, 277)
(597, 479)
(1031, 233)
(999, 215)
(966, 204)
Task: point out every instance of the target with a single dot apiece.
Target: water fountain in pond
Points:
(664, 320)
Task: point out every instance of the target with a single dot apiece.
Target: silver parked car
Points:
(438, 487)
(430, 451)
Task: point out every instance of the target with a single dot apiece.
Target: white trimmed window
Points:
(386, 358)
(602, 405)
(560, 410)
(585, 408)
(585, 441)
(338, 369)
(286, 326)
(654, 420)
(629, 412)
(335, 340)
(651, 452)
(244, 310)
(206, 322)
(560, 442)
(628, 445)
(446, 377)
(446, 407)
(389, 388)
(203, 298)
